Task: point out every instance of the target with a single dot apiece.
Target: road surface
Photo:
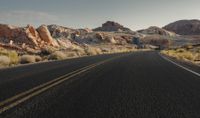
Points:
(132, 85)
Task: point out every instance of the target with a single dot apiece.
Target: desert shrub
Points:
(48, 50)
(187, 47)
(171, 52)
(197, 57)
(186, 55)
(180, 54)
(164, 51)
(79, 51)
(27, 59)
(58, 55)
(38, 58)
(12, 55)
(98, 51)
(71, 54)
(93, 51)
(180, 50)
(90, 51)
(14, 58)
(4, 61)
(198, 50)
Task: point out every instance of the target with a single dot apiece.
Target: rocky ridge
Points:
(154, 30)
(111, 26)
(184, 27)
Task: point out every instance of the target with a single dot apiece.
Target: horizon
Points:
(92, 13)
(94, 27)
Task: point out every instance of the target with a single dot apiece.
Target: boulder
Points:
(32, 34)
(46, 36)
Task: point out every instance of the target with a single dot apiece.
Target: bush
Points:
(47, 50)
(27, 59)
(93, 51)
(180, 54)
(197, 57)
(71, 54)
(4, 61)
(180, 50)
(188, 47)
(58, 55)
(14, 58)
(186, 55)
(12, 55)
(38, 58)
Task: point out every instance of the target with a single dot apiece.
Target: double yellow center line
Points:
(24, 96)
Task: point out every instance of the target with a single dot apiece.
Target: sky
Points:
(134, 14)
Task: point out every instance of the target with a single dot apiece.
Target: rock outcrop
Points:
(184, 27)
(19, 35)
(26, 36)
(32, 35)
(60, 32)
(156, 31)
(86, 36)
(46, 35)
(111, 26)
(29, 38)
(156, 40)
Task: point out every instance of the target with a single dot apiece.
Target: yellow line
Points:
(40, 86)
(30, 93)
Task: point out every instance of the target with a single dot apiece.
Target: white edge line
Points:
(180, 65)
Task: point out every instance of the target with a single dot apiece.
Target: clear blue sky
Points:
(135, 14)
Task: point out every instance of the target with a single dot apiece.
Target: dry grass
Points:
(188, 53)
(93, 51)
(4, 61)
(58, 55)
(8, 58)
(28, 59)
(48, 50)
(11, 55)
(79, 51)
(71, 54)
(108, 49)
(38, 58)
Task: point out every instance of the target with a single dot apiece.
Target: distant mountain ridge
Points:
(184, 27)
(110, 33)
(110, 26)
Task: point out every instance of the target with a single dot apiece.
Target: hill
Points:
(184, 27)
(111, 26)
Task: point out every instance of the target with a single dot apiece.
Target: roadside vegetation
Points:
(188, 53)
(24, 59)
(12, 57)
(8, 58)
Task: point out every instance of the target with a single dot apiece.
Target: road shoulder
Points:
(185, 64)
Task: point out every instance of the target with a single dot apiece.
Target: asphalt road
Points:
(133, 85)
